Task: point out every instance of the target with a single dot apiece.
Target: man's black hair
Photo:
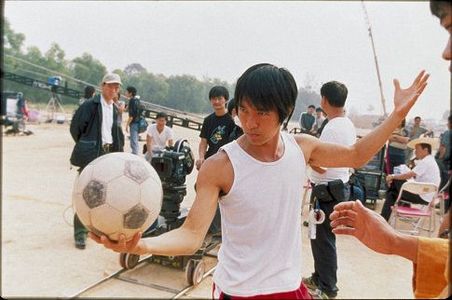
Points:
(132, 90)
(335, 93)
(426, 146)
(450, 118)
(89, 91)
(218, 91)
(231, 106)
(311, 106)
(161, 114)
(439, 8)
(319, 109)
(267, 88)
(417, 117)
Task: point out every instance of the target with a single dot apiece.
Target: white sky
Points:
(319, 40)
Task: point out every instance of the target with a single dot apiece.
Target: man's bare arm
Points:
(149, 143)
(202, 149)
(188, 238)
(332, 155)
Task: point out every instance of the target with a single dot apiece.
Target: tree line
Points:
(182, 92)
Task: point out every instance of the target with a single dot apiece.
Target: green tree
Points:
(12, 42)
(88, 69)
(185, 93)
(54, 59)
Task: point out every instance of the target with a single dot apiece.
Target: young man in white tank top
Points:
(261, 176)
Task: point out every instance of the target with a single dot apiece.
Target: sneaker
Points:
(319, 294)
(310, 283)
(80, 243)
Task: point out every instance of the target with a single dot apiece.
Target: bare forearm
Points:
(202, 149)
(176, 242)
(149, 143)
(405, 246)
(404, 176)
(367, 146)
(129, 120)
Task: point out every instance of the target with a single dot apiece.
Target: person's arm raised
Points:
(187, 239)
(333, 155)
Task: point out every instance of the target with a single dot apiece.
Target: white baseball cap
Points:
(111, 78)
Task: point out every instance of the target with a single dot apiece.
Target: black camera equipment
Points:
(172, 166)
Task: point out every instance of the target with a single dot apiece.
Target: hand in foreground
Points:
(352, 218)
(134, 246)
(404, 99)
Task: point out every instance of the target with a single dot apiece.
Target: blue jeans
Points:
(324, 250)
(134, 138)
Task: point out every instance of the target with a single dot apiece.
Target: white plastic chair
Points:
(417, 213)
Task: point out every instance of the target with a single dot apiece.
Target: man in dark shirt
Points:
(134, 116)
(307, 120)
(215, 132)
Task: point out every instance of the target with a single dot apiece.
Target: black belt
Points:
(106, 148)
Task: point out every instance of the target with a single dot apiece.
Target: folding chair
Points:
(443, 195)
(416, 215)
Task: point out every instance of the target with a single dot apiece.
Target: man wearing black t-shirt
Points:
(215, 133)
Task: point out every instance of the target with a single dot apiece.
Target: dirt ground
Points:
(38, 254)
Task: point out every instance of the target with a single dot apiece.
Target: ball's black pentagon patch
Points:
(135, 217)
(94, 194)
(136, 171)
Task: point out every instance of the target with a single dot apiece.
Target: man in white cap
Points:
(95, 133)
(426, 170)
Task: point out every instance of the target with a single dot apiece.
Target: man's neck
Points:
(160, 128)
(220, 112)
(336, 113)
(108, 101)
(271, 151)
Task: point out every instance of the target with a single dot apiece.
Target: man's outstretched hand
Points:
(133, 246)
(404, 99)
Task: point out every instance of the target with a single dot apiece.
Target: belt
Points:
(107, 148)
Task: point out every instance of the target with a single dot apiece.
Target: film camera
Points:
(172, 166)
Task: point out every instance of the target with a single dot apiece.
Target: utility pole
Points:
(383, 101)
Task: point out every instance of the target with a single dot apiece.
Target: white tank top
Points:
(261, 223)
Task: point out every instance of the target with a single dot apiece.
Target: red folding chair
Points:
(416, 213)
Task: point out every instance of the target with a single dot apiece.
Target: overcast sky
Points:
(316, 41)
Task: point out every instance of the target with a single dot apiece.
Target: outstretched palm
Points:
(404, 99)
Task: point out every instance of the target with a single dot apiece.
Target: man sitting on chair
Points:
(426, 170)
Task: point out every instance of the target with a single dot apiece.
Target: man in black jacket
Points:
(95, 132)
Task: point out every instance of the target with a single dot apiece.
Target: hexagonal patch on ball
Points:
(136, 170)
(94, 193)
(135, 217)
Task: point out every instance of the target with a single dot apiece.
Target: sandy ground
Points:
(38, 254)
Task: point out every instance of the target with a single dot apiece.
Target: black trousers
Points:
(393, 193)
(324, 250)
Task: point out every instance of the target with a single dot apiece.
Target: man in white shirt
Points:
(339, 130)
(158, 136)
(426, 170)
(93, 124)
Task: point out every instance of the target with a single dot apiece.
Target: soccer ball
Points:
(117, 193)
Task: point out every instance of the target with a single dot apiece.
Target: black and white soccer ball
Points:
(118, 193)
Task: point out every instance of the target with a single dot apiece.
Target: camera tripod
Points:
(53, 106)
